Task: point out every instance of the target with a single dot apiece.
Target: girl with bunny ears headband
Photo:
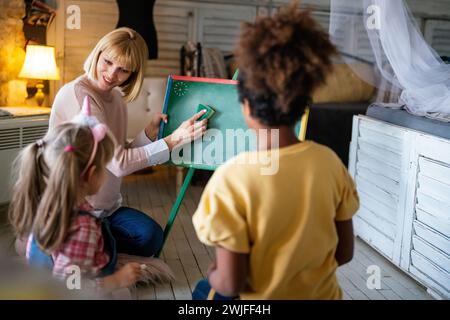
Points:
(54, 174)
(53, 177)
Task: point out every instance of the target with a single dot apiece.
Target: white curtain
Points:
(385, 33)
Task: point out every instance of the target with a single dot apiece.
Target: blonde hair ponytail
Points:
(29, 174)
(56, 208)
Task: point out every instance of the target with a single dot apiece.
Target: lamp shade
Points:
(40, 63)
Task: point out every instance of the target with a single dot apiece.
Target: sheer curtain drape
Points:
(385, 33)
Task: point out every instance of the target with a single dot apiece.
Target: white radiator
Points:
(16, 133)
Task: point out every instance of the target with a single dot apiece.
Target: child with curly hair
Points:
(279, 236)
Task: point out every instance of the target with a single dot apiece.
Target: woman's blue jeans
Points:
(135, 232)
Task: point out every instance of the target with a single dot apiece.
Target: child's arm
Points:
(348, 206)
(344, 250)
(228, 275)
(125, 277)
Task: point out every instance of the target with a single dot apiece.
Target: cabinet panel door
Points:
(426, 244)
(435, 255)
(378, 165)
(429, 274)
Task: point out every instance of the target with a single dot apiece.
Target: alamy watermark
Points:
(73, 20)
(374, 278)
(216, 147)
(73, 280)
(374, 20)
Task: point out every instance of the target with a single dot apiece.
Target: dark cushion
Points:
(330, 124)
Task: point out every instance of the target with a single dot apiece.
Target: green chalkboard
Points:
(227, 133)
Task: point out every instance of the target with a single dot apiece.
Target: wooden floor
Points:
(154, 193)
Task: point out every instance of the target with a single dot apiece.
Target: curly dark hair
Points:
(282, 60)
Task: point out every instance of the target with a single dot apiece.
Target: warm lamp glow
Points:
(40, 63)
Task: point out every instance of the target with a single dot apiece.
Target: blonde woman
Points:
(118, 62)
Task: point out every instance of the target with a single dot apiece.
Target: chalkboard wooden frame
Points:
(184, 94)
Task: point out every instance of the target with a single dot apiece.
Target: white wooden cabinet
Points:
(403, 180)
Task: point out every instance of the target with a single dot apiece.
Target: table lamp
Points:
(39, 64)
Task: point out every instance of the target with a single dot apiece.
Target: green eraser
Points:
(209, 111)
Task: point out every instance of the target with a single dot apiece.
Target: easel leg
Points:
(304, 124)
(176, 207)
(179, 178)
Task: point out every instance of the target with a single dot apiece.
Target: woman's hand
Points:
(152, 129)
(188, 131)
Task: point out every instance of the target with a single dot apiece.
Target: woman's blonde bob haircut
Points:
(129, 49)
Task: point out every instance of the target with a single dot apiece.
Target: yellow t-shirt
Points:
(284, 221)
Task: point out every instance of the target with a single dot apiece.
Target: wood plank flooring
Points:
(154, 193)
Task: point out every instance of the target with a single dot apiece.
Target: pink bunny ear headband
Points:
(98, 129)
